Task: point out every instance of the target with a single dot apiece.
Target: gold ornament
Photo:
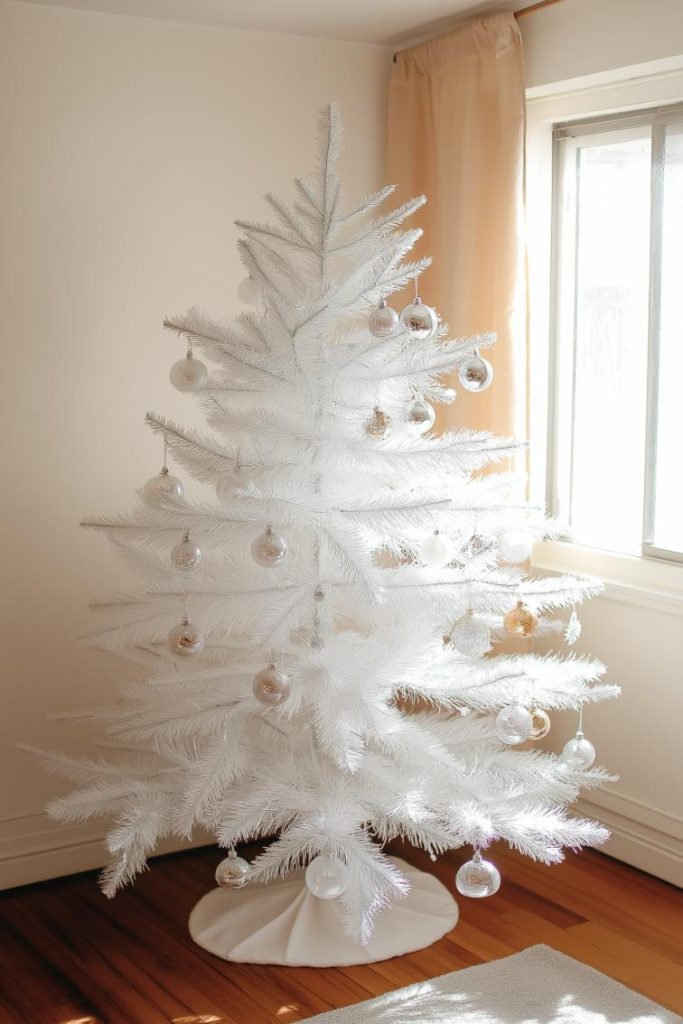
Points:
(378, 424)
(520, 621)
(541, 724)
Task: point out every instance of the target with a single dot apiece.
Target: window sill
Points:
(632, 580)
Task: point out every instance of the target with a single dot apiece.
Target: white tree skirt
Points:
(282, 923)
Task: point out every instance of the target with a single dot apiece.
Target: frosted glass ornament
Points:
(270, 686)
(419, 416)
(436, 550)
(419, 320)
(477, 878)
(189, 374)
(161, 489)
(471, 635)
(327, 877)
(233, 872)
(185, 639)
(186, 555)
(383, 321)
(378, 424)
(475, 374)
(578, 753)
(540, 724)
(248, 291)
(269, 549)
(514, 724)
(514, 546)
(520, 621)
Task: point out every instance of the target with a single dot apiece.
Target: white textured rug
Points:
(538, 986)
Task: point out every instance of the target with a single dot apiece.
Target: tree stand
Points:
(282, 923)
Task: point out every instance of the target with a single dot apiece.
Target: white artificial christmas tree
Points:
(353, 558)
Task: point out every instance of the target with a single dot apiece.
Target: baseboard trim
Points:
(34, 849)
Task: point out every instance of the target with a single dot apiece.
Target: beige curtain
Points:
(456, 133)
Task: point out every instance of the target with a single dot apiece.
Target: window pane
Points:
(611, 333)
(668, 526)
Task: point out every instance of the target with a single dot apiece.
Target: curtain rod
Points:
(521, 13)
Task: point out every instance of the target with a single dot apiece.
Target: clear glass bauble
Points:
(233, 872)
(578, 753)
(520, 621)
(419, 320)
(269, 549)
(378, 424)
(326, 877)
(248, 291)
(477, 878)
(185, 639)
(514, 724)
(189, 374)
(237, 478)
(475, 374)
(471, 636)
(540, 724)
(186, 555)
(161, 489)
(419, 416)
(514, 546)
(270, 686)
(383, 321)
(436, 550)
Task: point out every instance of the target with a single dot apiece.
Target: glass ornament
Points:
(233, 872)
(161, 489)
(520, 621)
(327, 877)
(419, 320)
(514, 546)
(475, 374)
(383, 321)
(436, 550)
(578, 752)
(238, 478)
(419, 416)
(540, 724)
(269, 549)
(185, 639)
(248, 291)
(271, 686)
(471, 635)
(189, 374)
(477, 877)
(514, 724)
(378, 424)
(476, 545)
(186, 555)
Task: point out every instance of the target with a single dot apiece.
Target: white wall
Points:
(128, 148)
(584, 37)
(585, 58)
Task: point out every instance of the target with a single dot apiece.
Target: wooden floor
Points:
(72, 957)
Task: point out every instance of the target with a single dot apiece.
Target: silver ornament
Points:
(475, 374)
(419, 416)
(269, 549)
(161, 489)
(186, 555)
(185, 639)
(514, 724)
(189, 374)
(419, 320)
(477, 878)
(383, 321)
(327, 877)
(270, 686)
(233, 872)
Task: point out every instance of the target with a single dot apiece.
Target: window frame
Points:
(562, 308)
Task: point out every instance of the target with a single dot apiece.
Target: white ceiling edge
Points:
(396, 23)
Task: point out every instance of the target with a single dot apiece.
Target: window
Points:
(616, 432)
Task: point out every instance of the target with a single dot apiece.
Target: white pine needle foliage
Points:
(351, 616)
